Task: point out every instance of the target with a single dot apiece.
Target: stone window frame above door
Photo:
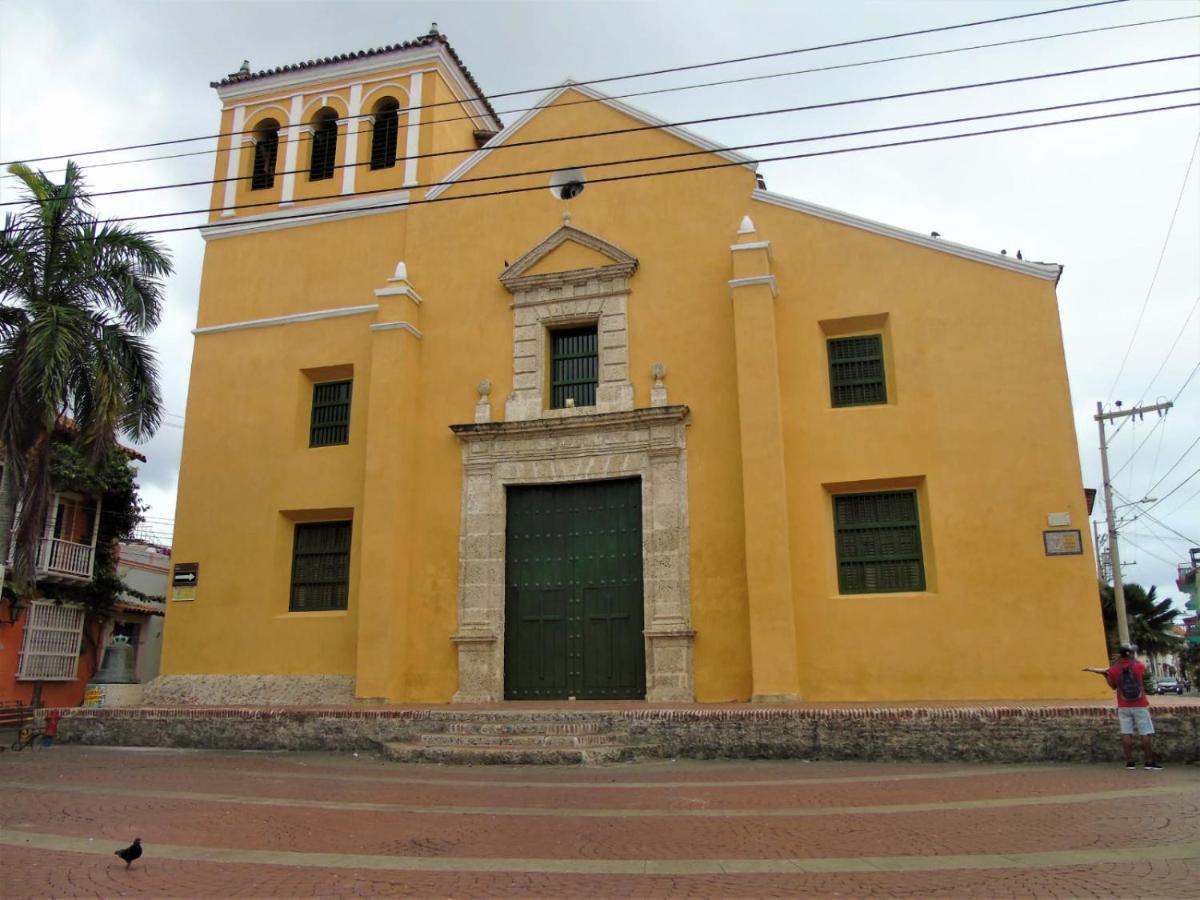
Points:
(546, 301)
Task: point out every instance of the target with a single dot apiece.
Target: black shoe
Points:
(1153, 765)
(1131, 765)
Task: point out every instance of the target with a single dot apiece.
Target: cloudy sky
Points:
(1116, 201)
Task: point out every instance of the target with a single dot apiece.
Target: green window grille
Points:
(324, 149)
(384, 135)
(574, 366)
(878, 543)
(266, 148)
(856, 375)
(320, 567)
(330, 414)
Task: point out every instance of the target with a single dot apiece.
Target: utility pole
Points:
(1113, 555)
(1099, 556)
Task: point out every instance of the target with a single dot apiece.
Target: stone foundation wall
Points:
(250, 690)
(993, 734)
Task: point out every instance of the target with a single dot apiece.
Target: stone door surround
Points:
(649, 444)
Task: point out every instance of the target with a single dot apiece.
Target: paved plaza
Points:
(225, 824)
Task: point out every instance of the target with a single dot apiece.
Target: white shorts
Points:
(1135, 719)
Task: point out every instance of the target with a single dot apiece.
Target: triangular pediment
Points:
(569, 250)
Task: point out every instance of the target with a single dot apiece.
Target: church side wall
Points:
(979, 421)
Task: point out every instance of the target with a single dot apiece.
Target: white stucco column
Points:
(293, 151)
(235, 158)
(350, 151)
(411, 147)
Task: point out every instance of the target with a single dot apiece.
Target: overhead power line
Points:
(707, 84)
(317, 212)
(1174, 344)
(1158, 266)
(396, 204)
(664, 71)
(634, 129)
(706, 120)
(689, 169)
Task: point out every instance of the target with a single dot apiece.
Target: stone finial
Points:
(566, 218)
(483, 406)
(658, 393)
(401, 272)
(747, 226)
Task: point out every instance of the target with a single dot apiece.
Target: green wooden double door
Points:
(573, 592)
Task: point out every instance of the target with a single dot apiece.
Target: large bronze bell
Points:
(118, 665)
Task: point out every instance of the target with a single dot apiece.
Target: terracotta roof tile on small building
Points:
(424, 40)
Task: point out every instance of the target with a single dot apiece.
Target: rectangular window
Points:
(574, 366)
(320, 567)
(330, 422)
(856, 376)
(878, 543)
(53, 635)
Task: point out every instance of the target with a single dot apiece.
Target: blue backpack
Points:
(1127, 684)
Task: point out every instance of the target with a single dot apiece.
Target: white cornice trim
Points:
(735, 283)
(361, 68)
(632, 111)
(399, 291)
(338, 209)
(289, 320)
(401, 326)
(1048, 271)
(755, 245)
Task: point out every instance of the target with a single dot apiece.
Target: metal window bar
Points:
(856, 374)
(53, 636)
(383, 138)
(265, 151)
(320, 567)
(878, 538)
(574, 366)
(330, 423)
(324, 149)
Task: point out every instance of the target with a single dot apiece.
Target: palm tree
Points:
(1150, 619)
(78, 297)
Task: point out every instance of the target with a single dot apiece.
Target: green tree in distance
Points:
(1150, 619)
(78, 298)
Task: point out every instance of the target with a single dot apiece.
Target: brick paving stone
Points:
(1158, 815)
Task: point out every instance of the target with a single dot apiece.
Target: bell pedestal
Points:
(116, 683)
(103, 695)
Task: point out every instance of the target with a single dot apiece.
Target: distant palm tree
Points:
(77, 299)
(1150, 619)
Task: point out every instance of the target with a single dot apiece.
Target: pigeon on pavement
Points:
(130, 853)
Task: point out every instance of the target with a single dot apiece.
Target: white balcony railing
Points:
(57, 557)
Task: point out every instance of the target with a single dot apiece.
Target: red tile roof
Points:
(424, 40)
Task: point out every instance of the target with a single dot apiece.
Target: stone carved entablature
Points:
(623, 264)
(648, 444)
(547, 300)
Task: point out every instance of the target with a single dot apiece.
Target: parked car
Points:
(1165, 685)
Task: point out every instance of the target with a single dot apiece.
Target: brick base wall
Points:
(991, 734)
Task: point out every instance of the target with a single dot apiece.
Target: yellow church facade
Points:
(481, 414)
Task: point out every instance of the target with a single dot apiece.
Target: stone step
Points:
(525, 727)
(505, 756)
(524, 739)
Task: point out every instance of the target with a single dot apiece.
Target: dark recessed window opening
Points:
(324, 147)
(320, 567)
(878, 543)
(856, 376)
(266, 149)
(330, 422)
(574, 366)
(384, 134)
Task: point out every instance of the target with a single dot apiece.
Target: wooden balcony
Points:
(59, 560)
